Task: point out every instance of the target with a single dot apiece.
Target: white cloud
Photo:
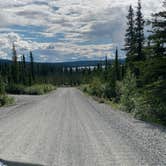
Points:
(98, 23)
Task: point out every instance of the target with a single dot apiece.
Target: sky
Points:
(66, 30)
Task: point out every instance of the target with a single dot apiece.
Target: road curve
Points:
(67, 128)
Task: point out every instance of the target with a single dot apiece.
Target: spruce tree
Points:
(32, 75)
(139, 32)
(15, 68)
(23, 69)
(106, 69)
(117, 66)
(130, 36)
(158, 36)
(106, 63)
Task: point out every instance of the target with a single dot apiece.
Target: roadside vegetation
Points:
(4, 99)
(36, 89)
(20, 77)
(139, 85)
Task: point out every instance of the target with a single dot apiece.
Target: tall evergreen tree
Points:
(106, 62)
(117, 66)
(23, 69)
(32, 75)
(15, 68)
(24, 62)
(130, 36)
(158, 36)
(139, 32)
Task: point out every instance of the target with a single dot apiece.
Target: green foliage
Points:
(149, 108)
(128, 92)
(85, 88)
(117, 66)
(15, 67)
(96, 87)
(134, 38)
(6, 100)
(23, 72)
(130, 35)
(158, 36)
(158, 111)
(139, 32)
(16, 89)
(109, 90)
(31, 72)
(2, 86)
(118, 92)
(37, 89)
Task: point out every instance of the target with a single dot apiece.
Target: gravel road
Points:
(67, 128)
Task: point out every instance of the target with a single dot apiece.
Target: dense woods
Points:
(138, 85)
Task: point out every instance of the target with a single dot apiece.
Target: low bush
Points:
(128, 92)
(2, 86)
(149, 109)
(6, 100)
(140, 102)
(85, 88)
(16, 89)
(96, 88)
(37, 89)
(108, 91)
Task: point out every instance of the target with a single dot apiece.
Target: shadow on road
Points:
(12, 163)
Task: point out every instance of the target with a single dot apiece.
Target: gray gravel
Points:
(67, 128)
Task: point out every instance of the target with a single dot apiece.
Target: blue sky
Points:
(66, 30)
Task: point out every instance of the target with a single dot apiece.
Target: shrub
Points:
(128, 92)
(85, 88)
(109, 91)
(39, 89)
(149, 109)
(6, 100)
(2, 86)
(96, 87)
(157, 110)
(16, 89)
(141, 108)
(118, 92)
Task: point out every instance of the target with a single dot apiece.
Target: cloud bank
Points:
(60, 30)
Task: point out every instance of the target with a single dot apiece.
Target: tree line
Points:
(26, 72)
(139, 85)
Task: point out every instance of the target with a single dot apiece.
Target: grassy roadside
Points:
(114, 105)
(37, 89)
(6, 100)
(118, 107)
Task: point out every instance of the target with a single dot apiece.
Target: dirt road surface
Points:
(67, 128)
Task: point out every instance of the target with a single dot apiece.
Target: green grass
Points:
(87, 91)
(6, 100)
(141, 115)
(37, 89)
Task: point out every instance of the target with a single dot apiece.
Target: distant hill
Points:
(85, 63)
(4, 61)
